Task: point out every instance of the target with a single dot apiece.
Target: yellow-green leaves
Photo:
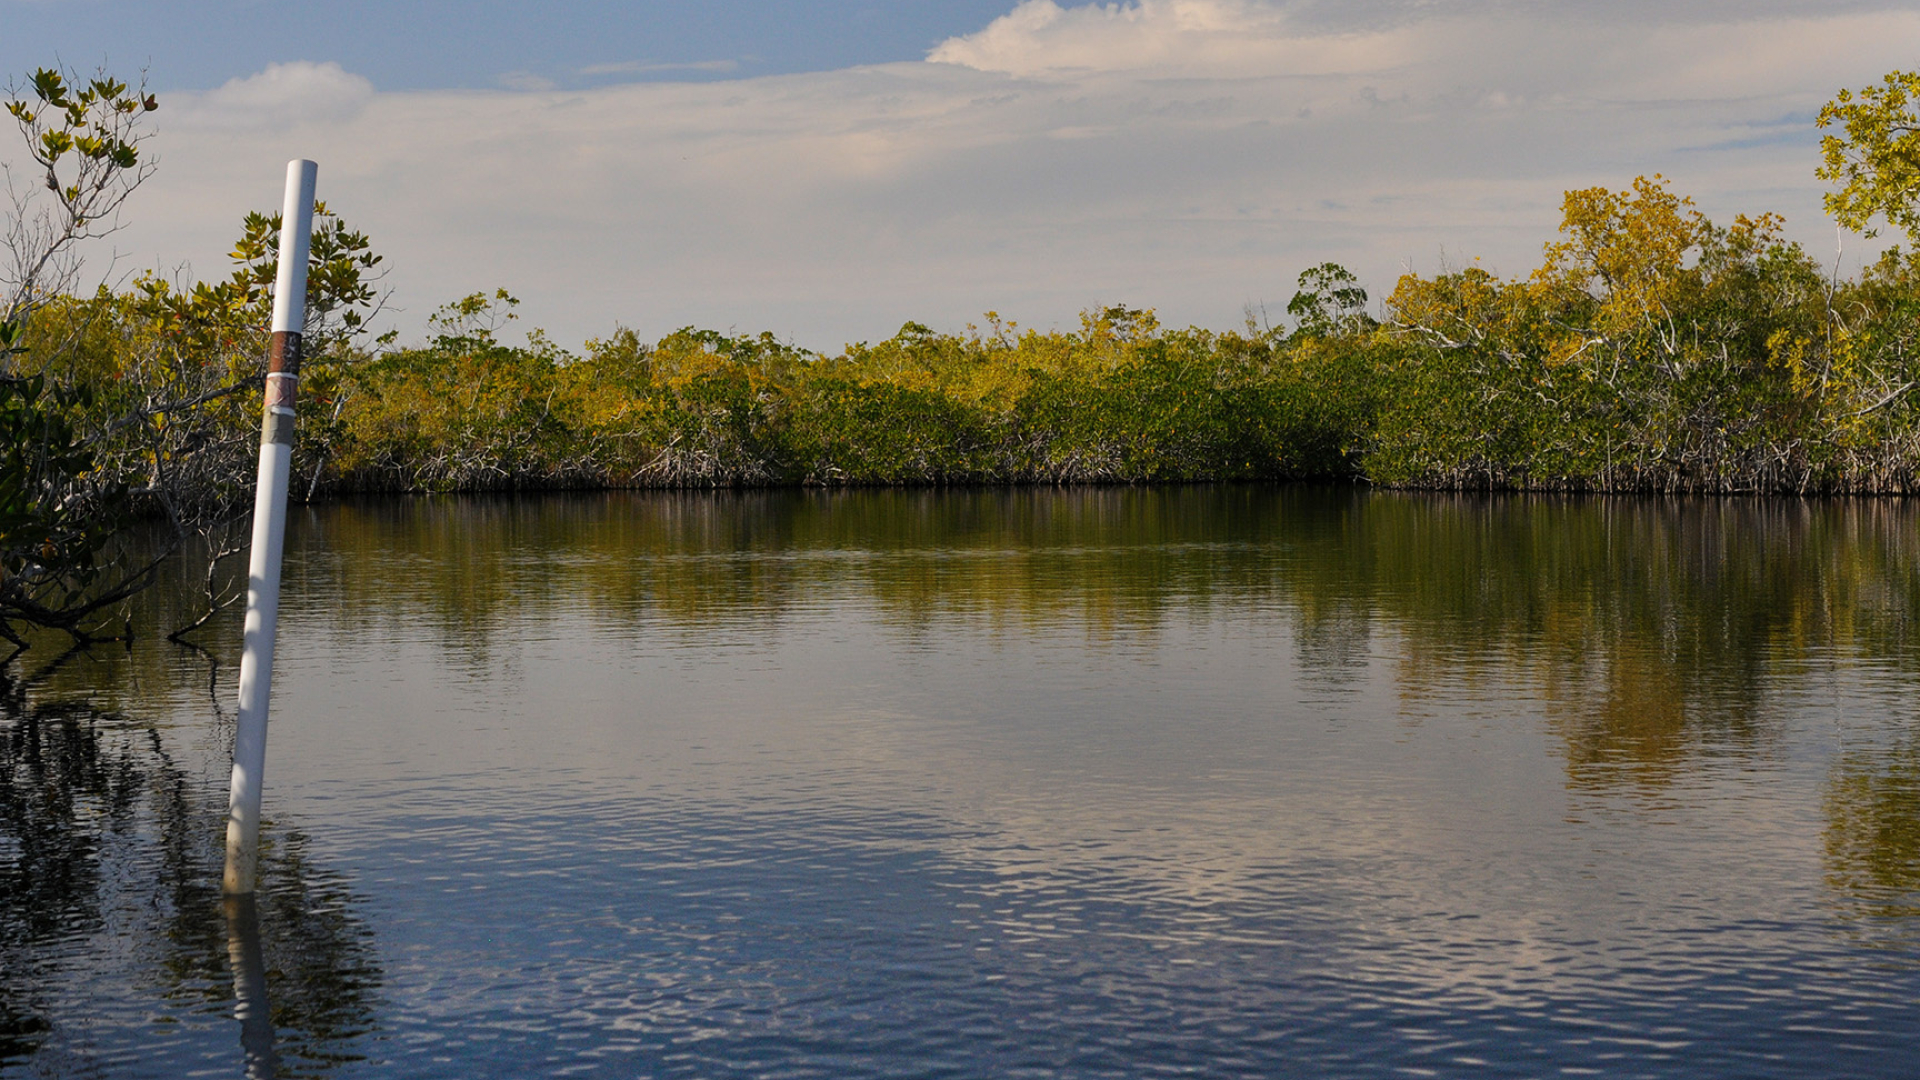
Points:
(342, 273)
(1628, 246)
(91, 122)
(85, 141)
(1876, 161)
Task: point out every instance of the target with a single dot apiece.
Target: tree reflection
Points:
(1873, 838)
(1645, 633)
(55, 779)
(1649, 628)
(109, 854)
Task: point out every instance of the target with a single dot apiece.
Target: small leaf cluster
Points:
(87, 121)
(79, 122)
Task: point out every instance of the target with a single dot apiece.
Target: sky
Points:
(829, 169)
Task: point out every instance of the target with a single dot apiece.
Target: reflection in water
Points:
(251, 1004)
(1873, 839)
(61, 796)
(323, 976)
(109, 905)
(1646, 625)
(1224, 780)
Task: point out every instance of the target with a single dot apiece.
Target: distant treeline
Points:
(1652, 350)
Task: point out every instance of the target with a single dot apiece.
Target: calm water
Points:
(1213, 781)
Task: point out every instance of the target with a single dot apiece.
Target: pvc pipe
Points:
(269, 532)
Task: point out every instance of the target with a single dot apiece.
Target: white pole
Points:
(269, 531)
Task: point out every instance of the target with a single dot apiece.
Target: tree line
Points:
(1651, 350)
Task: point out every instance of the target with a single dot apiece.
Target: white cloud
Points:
(1203, 38)
(646, 67)
(524, 80)
(1071, 160)
(291, 93)
(1528, 52)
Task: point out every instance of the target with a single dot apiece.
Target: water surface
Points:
(1079, 783)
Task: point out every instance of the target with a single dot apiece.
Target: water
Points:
(1237, 781)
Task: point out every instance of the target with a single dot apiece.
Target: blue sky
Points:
(440, 44)
(829, 170)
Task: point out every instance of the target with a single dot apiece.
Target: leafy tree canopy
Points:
(1876, 159)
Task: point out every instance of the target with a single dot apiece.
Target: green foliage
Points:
(475, 318)
(58, 514)
(1119, 401)
(1653, 350)
(84, 141)
(79, 124)
(1877, 159)
(174, 372)
(465, 412)
(1330, 302)
(342, 275)
(122, 407)
(878, 432)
